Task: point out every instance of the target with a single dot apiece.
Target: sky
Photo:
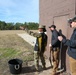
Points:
(19, 11)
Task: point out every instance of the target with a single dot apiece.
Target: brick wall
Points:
(52, 10)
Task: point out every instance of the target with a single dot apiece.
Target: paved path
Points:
(30, 39)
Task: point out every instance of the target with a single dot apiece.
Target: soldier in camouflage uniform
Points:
(39, 49)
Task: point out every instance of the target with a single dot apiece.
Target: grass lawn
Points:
(12, 46)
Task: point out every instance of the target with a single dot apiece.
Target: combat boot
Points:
(44, 67)
(37, 68)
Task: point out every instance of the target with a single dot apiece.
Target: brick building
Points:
(57, 12)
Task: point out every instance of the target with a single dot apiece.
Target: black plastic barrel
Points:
(15, 66)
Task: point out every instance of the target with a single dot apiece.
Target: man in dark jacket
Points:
(71, 46)
(55, 45)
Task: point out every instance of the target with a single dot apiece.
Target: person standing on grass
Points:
(55, 48)
(71, 45)
(39, 49)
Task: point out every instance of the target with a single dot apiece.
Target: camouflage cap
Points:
(40, 26)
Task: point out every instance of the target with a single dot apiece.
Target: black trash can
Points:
(15, 66)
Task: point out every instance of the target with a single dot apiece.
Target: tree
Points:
(2, 25)
(16, 26)
(33, 26)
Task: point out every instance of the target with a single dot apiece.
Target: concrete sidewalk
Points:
(30, 39)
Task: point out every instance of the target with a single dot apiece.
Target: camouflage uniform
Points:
(39, 50)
